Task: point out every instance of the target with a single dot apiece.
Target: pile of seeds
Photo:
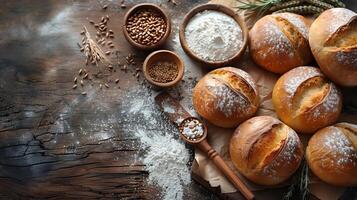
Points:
(192, 129)
(82, 76)
(104, 34)
(146, 27)
(95, 54)
(163, 72)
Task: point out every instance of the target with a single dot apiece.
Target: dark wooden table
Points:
(47, 148)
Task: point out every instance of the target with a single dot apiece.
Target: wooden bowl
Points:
(155, 8)
(162, 56)
(225, 10)
(203, 137)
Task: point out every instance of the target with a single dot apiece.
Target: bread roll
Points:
(265, 150)
(226, 97)
(333, 41)
(332, 154)
(279, 42)
(305, 100)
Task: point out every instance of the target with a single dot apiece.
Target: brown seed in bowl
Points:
(146, 27)
(163, 72)
(162, 56)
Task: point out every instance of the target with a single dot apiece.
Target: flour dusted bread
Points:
(226, 97)
(306, 100)
(279, 42)
(265, 150)
(332, 154)
(333, 41)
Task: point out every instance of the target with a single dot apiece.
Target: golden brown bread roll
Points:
(305, 100)
(265, 150)
(332, 154)
(333, 41)
(226, 97)
(279, 42)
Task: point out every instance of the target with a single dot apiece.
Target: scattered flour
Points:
(229, 101)
(297, 22)
(226, 100)
(329, 103)
(285, 157)
(166, 160)
(213, 35)
(279, 45)
(301, 75)
(340, 148)
(332, 100)
(165, 156)
(341, 17)
(347, 58)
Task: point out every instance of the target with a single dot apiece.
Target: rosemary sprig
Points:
(299, 188)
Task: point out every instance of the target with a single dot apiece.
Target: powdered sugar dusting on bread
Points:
(340, 16)
(275, 39)
(339, 148)
(347, 58)
(228, 101)
(297, 22)
(248, 78)
(286, 157)
(329, 104)
(332, 100)
(301, 74)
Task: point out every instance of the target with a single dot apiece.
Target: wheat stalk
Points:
(92, 50)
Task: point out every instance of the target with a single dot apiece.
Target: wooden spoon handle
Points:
(219, 162)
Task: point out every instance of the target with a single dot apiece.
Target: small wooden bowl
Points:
(203, 137)
(225, 10)
(162, 56)
(144, 6)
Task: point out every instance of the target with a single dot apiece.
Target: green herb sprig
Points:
(299, 188)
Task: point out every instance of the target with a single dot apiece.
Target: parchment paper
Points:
(219, 137)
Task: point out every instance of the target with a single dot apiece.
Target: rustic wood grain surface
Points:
(50, 141)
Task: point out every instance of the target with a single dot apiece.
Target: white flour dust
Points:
(166, 157)
(166, 160)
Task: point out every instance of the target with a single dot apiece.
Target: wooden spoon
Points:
(180, 116)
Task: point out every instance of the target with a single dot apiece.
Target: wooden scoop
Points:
(179, 115)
